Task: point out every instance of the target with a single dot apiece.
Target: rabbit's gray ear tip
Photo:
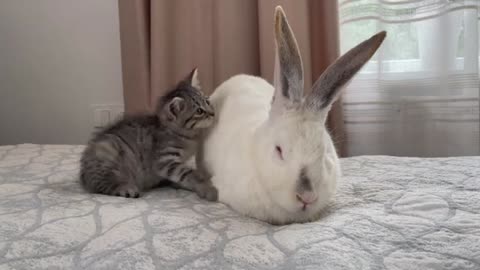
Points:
(279, 13)
(280, 19)
(378, 38)
(381, 35)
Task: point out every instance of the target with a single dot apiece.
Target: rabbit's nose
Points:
(307, 197)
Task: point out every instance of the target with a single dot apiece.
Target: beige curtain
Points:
(162, 40)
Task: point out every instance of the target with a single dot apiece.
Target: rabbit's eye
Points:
(278, 149)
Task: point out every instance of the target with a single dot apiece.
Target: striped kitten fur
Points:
(140, 152)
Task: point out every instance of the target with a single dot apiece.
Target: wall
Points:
(57, 58)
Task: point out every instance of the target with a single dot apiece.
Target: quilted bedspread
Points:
(390, 213)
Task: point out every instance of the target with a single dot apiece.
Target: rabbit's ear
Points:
(288, 74)
(327, 88)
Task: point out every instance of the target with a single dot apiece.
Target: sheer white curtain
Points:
(419, 96)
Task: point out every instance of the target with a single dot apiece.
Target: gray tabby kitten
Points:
(140, 152)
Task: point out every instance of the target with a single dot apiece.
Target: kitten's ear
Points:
(192, 79)
(174, 108)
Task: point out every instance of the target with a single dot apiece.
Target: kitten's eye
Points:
(278, 149)
(200, 111)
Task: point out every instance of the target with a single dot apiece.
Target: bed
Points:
(390, 213)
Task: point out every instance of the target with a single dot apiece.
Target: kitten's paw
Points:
(127, 192)
(208, 192)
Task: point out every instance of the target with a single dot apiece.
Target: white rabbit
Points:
(269, 153)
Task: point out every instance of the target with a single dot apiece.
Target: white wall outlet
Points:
(104, 114)
(101, 117)
(116, 113)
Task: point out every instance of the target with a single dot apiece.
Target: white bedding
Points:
(390, 213)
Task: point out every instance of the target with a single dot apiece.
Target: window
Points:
(422, 30)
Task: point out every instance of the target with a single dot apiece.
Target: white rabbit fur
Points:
(241, 153)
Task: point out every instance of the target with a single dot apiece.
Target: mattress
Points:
(389, 213)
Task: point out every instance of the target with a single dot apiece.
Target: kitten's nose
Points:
(307, 197)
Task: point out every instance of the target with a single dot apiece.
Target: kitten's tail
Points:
(96, 173)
